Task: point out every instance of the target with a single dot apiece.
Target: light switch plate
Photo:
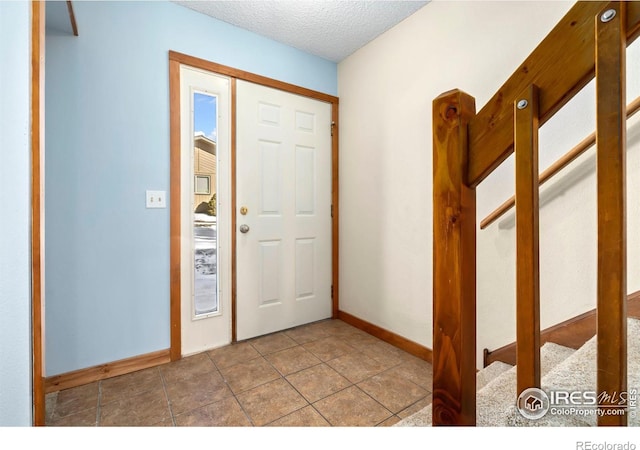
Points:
(156, 199)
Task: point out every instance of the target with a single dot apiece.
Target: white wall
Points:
(386, 91)
(15, 275)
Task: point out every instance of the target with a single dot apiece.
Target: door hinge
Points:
(331, 210)
(333, 124)
(332, 291)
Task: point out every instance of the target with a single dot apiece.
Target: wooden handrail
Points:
(569, 49)
(72, 18)
(556, 167)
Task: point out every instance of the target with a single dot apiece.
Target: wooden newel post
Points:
(454, 264)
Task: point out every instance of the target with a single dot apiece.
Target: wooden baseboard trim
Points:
(104, 371)
(572, 333)
(392, 338)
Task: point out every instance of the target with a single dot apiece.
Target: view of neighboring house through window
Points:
(205, 204)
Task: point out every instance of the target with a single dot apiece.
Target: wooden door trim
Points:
(234, 235)
(175, 205)
(37, 210)
(175, 59)
(231, 72)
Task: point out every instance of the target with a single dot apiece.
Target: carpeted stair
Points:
(562, 369)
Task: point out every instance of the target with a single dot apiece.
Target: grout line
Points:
(321, 415)
(233, 394)
(166, 395)
(308, 403)
(383, 421)
(287, 381)
(99, 406)
(372, 398)
(412, 404)
(356, 350)
(51, 414)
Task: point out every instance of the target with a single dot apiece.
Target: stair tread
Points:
(562, 368)
(571, 375)
(498, 390)
(550, 356)
(491, 372)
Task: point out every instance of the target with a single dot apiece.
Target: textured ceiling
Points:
(327, 28)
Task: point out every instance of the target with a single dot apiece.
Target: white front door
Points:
(283, 217)
(205, 210)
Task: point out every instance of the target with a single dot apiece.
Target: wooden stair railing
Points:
(555, 168)
(72, 18)
(468, 146)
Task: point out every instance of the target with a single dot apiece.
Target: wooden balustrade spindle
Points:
(611, 151)
(527, 240)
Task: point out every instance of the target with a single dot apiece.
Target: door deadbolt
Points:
(244, 210)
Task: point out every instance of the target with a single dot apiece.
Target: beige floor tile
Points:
(417, 406)
(126, 386)
(342, 330)
(292, 360)
(361, 342)
(272, 343)
(394, 393)
(305, 417)
(385, 353)
(328, 348)
(50, 401)
(321, 361)
(164, 423)
(224, 413)
(418, 371)
(330, 325)
(318, 382)
(356, 366)
(271, 401)
(352, 407)
(187, 367)
(196, 391)
(233, 354)
(305, 334)
(86, 418)
(144, 409)
(248, 375)
(72, 401)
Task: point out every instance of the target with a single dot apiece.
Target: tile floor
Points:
(323, 374)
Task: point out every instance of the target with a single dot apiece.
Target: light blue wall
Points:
(107, 138)
(15, 274)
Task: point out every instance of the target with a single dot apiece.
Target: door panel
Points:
(283, 173)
